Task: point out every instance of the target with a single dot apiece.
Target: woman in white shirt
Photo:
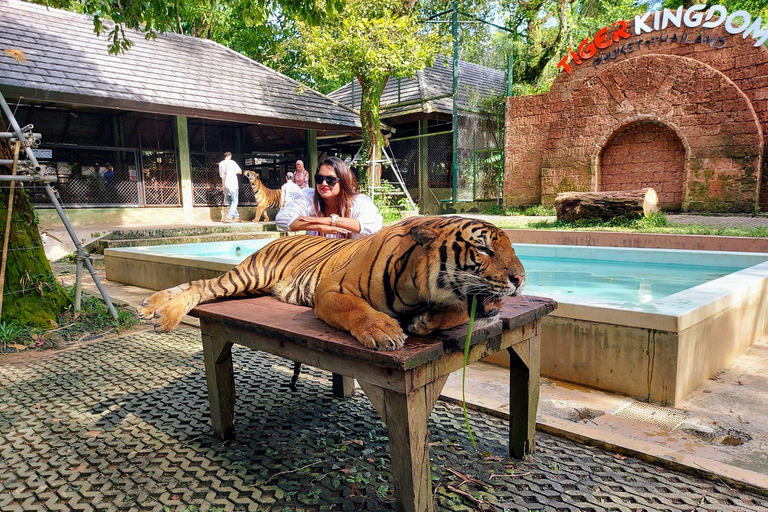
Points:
(333, 208)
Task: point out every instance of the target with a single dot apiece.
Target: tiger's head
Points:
(254, 179)
(468, 258)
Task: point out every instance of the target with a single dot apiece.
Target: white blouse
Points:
(363, 209)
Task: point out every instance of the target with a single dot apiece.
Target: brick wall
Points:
(714, 101)
(642, 155)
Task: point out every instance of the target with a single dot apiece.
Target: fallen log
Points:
(572, 206)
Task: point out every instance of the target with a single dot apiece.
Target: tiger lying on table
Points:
(422, 271)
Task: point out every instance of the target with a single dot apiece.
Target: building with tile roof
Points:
(163, 112)
(420, 109)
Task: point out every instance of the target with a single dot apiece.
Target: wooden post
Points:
(185, 168)
(423, 160)
(406, 418)
(524, 367)
(221, 385)
(9, 214)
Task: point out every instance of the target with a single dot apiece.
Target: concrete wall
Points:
(654, 364)
(639, 240)
(157, 272)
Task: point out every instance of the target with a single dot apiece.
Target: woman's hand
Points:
(320, 224)
(330, 230)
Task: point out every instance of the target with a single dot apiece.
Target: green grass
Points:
(529, 211)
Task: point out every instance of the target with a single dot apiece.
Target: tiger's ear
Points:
(423, 235)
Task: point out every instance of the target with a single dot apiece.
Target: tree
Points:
(370, 41)
(31, 294)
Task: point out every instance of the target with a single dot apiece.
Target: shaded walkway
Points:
(122, 424)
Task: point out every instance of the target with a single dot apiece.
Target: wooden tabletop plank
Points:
(298, 324)
(517, 311)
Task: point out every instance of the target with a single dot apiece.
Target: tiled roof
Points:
(172, 74)
(431, 90)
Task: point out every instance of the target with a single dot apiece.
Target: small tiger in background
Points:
(265, 197)
(421, 273)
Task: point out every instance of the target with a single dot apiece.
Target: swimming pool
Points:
(651, 323)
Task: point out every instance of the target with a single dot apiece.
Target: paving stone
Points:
(122, 425)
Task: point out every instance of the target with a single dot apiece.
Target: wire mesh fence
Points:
(436, 151)
(207, 185)
(479, 154)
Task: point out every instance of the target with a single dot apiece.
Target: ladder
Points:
(387, 160)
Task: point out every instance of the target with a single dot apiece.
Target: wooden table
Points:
(402, 385)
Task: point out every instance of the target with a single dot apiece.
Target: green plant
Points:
(496, 209)
(406, 204)
(529, 211)
(539, 211)
(15, 332)
(93, 317)
(383, 199)
(464, 370)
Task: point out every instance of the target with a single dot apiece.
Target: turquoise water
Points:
(618, 281)
(617, 277)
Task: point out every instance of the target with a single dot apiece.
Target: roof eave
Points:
(154, 108)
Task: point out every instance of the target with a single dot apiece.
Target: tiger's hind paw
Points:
(383, 333)
(168, 317)
(151, 304)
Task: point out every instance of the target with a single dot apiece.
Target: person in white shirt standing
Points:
(228, 171)
(288, 190)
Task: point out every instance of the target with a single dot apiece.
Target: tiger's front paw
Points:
(380, 333)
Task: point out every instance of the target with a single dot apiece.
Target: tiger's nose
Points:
(517, 280)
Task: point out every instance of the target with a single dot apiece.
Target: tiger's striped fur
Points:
(265, 197)
(422, 271)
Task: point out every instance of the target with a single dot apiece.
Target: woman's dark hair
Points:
(348, 184)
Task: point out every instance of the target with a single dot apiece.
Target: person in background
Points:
(301, 176)
(228, 171)
(333, 208)
(289, 190)
(109, 178)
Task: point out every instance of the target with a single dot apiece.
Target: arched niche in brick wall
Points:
(644, 153)
(713, 118)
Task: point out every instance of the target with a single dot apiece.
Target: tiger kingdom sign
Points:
(619, 39)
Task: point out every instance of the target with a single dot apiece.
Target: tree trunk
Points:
(372, 138)
(31, 293)
(572, 206)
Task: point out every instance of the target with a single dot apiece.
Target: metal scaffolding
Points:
(29, 140)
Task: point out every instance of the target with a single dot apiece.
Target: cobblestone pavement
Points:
(122, 424)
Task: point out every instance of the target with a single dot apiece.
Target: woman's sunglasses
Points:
(330, 180)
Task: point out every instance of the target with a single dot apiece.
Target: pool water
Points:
(599, 276)
(613, 280)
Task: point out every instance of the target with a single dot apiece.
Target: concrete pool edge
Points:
(157, 271)
(638, 240)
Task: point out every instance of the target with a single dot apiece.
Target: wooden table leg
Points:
(221, 385)
(343, 387)
(406, 418)
(524, 367)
